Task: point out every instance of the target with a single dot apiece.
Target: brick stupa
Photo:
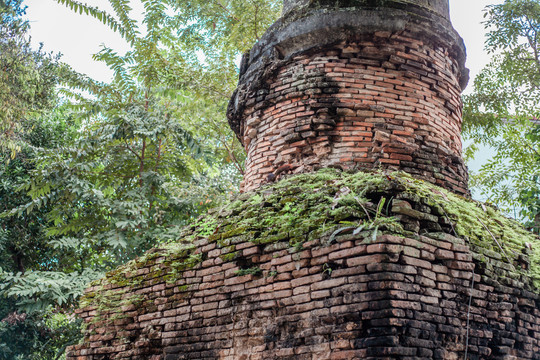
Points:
(355, 85)
(358, 262)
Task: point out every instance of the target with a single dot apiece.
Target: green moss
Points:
(173, 260)
(320, 206)
(230, 231)
(183, 288)
(487, 230)
(230, 256)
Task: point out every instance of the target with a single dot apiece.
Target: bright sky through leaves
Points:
(80, 36)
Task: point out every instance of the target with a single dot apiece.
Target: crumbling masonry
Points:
(381, 257)
(356, 85)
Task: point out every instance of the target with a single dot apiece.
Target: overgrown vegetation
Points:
(502, 113)
(101, 172)
(27, 78)
(32, 272)
(319, 207)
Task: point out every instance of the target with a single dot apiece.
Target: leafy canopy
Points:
(502, 111)
(110, 169)
(145, 159)
(27, 77)
(28, 123)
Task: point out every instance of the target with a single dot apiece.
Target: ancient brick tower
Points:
(354, 84)
(331, 264)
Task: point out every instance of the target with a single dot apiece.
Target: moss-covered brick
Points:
(284, 217)
(365, 253)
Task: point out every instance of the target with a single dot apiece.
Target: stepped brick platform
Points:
(248, 291)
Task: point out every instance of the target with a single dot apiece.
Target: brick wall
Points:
(395, 298)
(387, 102)
(350, 297)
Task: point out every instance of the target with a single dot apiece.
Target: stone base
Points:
(398, 298)
(239, 294)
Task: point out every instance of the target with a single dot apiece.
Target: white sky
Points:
(77, 37)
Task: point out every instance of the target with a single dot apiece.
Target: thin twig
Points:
(228, 11)
(237, 163)
(497, 242)
(362, 206)
(450, 222)
(130, 149)
(234, 159)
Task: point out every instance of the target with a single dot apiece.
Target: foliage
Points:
(214, 34)
(33, 274)
(229, 26)
(108, 193)
(120, 186)
(121, 166)
(27, 76)
(502, 111)
(510, 84)
(29, 327)
(36, 336)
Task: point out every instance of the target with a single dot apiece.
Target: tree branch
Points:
(133, 151)
(227, 11)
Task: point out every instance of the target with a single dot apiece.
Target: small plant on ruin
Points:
(251, 271)
(371, 226)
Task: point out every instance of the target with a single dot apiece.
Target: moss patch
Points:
(486, 229)
(318, 207)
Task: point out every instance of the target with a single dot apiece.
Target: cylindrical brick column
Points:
(356, 84)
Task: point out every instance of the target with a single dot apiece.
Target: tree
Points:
(29, 328)
(502, 112)
(27, 77)
(113, 191)
(214, 34)
(27, 96)
(129, 163)
(120, 187)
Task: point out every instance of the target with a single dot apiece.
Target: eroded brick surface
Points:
(390, 102)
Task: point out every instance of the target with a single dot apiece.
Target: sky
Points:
(77, 37)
